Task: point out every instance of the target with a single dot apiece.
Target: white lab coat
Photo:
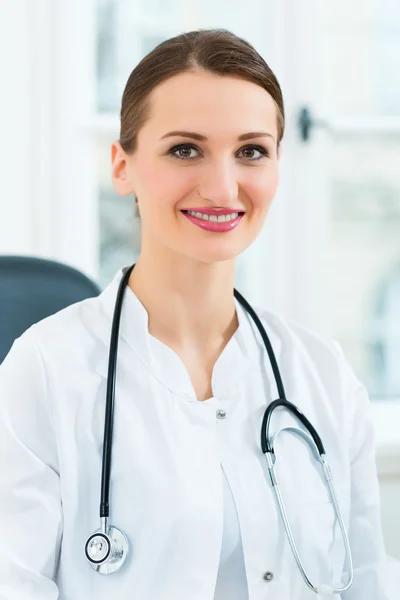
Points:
(166, 484)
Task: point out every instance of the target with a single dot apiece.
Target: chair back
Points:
(34, 288)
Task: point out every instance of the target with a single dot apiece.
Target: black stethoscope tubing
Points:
(107, 548)
(266, 444)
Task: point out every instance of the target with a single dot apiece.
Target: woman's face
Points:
(209, 143)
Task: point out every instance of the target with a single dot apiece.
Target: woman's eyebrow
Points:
(202, 138)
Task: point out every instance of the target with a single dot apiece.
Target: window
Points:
(360, 65)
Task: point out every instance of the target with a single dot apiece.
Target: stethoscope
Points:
(107, 548)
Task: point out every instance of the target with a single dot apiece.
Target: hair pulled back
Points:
(213, 50)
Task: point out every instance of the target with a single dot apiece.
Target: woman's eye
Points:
(183, 151)
(254, 152)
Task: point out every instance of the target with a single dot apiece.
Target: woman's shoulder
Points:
(288, 330)
(72, 321)
(322, 358)
(65, 337)
(322, 353)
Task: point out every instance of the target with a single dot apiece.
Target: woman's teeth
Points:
(215, 218)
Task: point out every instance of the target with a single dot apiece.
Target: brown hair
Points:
(214, 50)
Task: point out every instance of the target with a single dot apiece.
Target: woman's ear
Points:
(120, 177)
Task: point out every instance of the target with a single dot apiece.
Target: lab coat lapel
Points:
(161, 362)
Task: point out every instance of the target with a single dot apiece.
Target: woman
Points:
(202, 121)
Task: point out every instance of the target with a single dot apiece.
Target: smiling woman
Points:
(195, 370)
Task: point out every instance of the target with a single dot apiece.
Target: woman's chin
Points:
(215, 253)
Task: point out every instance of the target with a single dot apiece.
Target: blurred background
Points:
(329, 255)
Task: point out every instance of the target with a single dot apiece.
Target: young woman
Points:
(202, 121)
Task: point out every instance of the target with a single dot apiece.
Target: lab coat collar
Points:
(162, 361)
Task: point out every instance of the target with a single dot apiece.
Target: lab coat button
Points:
(268, 576)
(221, 414)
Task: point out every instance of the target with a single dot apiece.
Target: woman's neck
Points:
(189, 304)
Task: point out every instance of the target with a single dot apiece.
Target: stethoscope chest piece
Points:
(106, 552)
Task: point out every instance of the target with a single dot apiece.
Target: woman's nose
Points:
(219, 185)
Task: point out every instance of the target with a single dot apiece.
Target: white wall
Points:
(16, 150)
(389, 479)
(48, 204)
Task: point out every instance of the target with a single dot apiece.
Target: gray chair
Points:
(34, 288)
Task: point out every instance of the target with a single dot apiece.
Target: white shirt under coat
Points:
(170, 454)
